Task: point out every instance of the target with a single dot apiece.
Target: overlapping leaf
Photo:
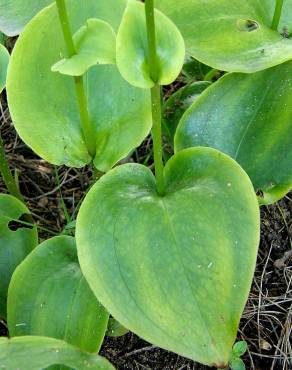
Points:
(48, 296)
(176, 269)
(132, 48)
(95, 43)
(249, 117)
(43, 104)
(16, 242)
(38, 353)
(235, 35)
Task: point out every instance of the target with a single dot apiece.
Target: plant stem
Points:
(277, 14)
(87, 128)
(7, 175)
(155, 97)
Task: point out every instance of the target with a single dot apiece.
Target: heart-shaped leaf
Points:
(176, 269)
(44, 106)
(38, 353)
(16, 242)
(14, 14)
(132, 48)
(49, 284)
(177, 104)
(4, 60)
(95, 43)
(247, 117)
(232, 35)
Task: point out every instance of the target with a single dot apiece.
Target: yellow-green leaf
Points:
(132, 47)
(49, 296)
(249, 117)
(232, 35)
(16, 242)
(177, 269)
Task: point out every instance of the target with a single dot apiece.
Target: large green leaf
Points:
(48, 296)
(176, 269)
(15, 242)
(38, 353)
(14, 14)
(249, 117)
(132, 48)
(232, 35)
(4, 60)
(43, 104)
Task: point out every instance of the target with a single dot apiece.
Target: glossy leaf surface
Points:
(14, 14)
(178, 103)
(38, 353)
(233, 36)
(43, 104)
(16, 242)
(132, 48)
(95, 43)
(48, 296)
(4, 60)
(176, 269)
(249, 117)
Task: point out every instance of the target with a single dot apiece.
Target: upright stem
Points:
(7, 175)
(277, 14)
(155, 96)
(87, 129)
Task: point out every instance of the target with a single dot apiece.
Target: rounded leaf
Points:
(237, 364)
(95, 43)
(4, 60)
(44, 106)
(16, 242)
(248, 117)
(49, 284)
(239, 348)
(176, 270)
(38, 353)
(132, 47)
(233, 36)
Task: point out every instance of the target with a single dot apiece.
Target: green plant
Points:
(170, 256)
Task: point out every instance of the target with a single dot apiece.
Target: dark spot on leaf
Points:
(21, 223)
(247, 25)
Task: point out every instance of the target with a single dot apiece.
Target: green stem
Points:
(7, 175)
(155, 97)
(277, 14)
(87, 128)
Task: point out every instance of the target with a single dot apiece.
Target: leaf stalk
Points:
(277, 14)
(87, 128)
(155, 97)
